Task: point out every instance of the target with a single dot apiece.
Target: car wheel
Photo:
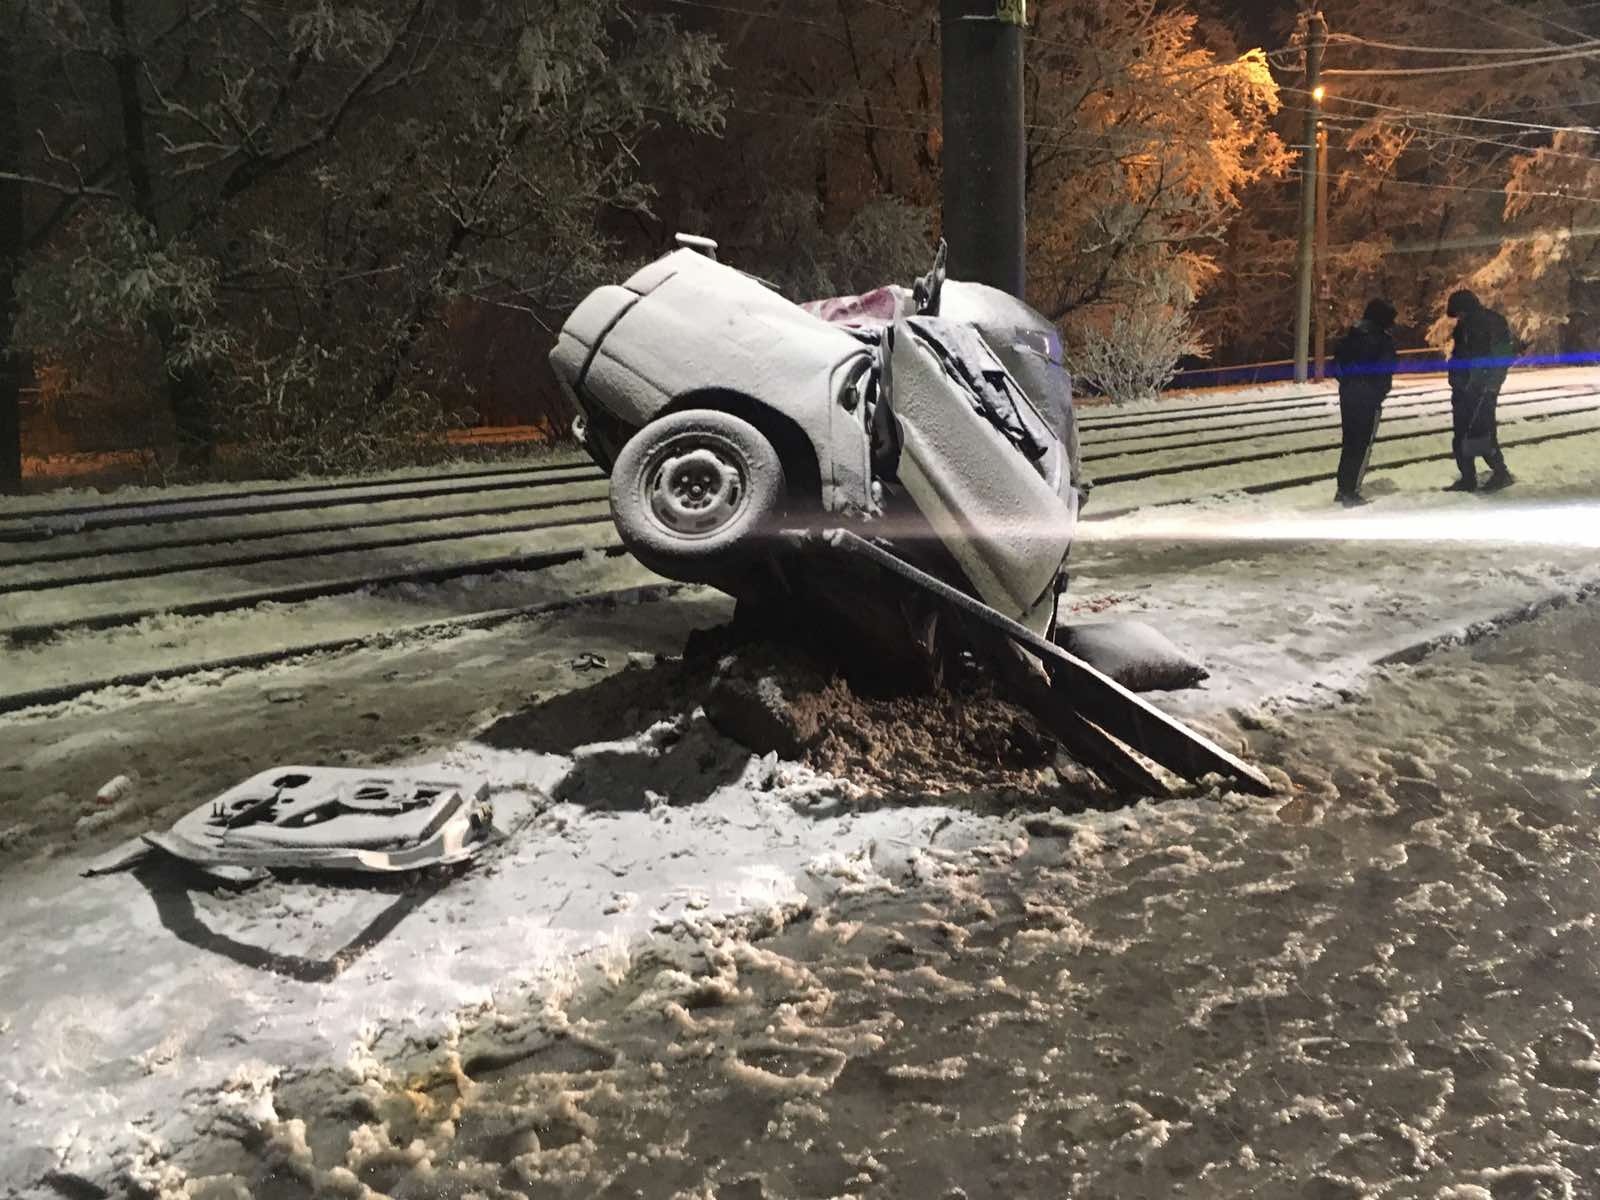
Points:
(692, 492)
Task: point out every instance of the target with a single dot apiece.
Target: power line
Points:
(1444, 135)
(1549, 151)
(1539, 108)
(750, 12)
(1355, 40)
(1550, 21)
(1461, 68)
(1077, 136)
(1422, 112)
(1458, 187)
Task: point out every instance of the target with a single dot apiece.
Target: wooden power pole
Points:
(1324, 300)
(984, 150)
(1316, 36)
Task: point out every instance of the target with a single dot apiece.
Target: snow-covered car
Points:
(724, 412)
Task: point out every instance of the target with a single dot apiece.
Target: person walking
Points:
(1481, 349)
(1364, 359)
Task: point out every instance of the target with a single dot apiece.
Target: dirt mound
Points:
(931, 744)
(773, 697)
(963, 738)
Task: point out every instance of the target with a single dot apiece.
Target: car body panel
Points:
(705, 329)
(595, 316)
(998, 515)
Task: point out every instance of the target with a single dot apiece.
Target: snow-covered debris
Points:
(330, 819)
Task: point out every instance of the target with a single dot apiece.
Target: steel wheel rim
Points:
(696, 488)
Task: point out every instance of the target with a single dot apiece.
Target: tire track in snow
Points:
(63, 693)
(1278, 485)
(225, 597)
(1278, 453)
(299, 488)
(596, 492)
(1182, 438)
(24, 632)
(1157, 414)
(580, 514)
(145, 515)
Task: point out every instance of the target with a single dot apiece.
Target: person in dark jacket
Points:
(1364, 359)
(1481, 350)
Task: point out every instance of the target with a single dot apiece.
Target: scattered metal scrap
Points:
(328, 819)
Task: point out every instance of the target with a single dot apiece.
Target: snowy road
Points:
(596, 992)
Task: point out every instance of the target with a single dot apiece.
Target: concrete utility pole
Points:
(984, 150)
(1316, 36)
(1324, 300)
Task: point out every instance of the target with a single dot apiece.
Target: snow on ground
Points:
(201, 540)
(231, 584)
(625, 836)
(1289, 598)
(1204, 481)
(364, 510)
(1137, 976)
(73, 497)
(1384, 986)
(1093, 408)
(167, 642)
(1401, 423)
(1259, 422)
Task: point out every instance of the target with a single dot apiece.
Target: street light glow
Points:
(1318, 92)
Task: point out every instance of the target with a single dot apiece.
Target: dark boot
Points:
(1467, 483)
(1499, 477)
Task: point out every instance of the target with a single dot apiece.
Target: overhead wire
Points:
(1413, 48)
(1550, 21)
(1464, 68)
(1558, 107)
(1097, 139)
(1423, 112)
(1445, 135)
(1579, 197)
(736, 10)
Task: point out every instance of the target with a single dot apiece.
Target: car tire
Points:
(693, 492)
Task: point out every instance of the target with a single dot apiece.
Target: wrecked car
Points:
(723, 411)
(901, 468)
